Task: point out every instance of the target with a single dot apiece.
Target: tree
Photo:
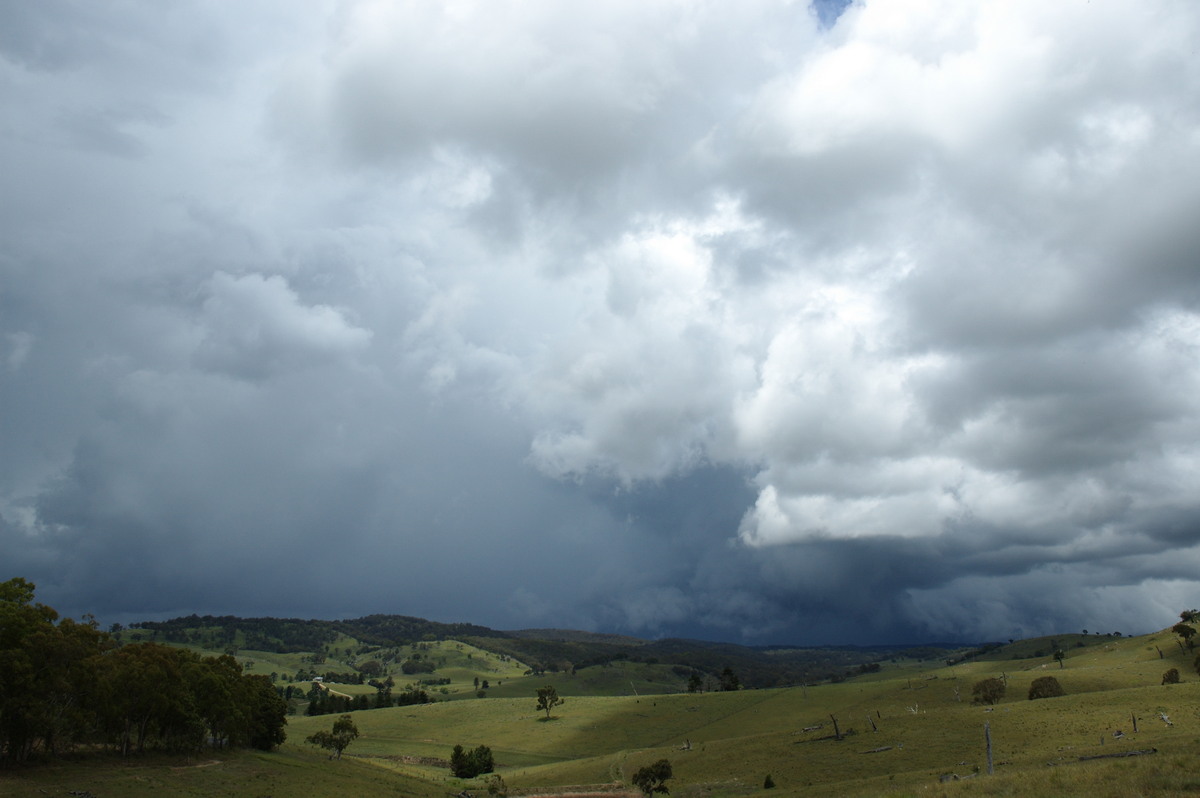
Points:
(1045, 687)
(987, 691)
(729, 680)
(1189, 616)
(1059, 655)
(1185, 632)
(548, 699)
(1171, 676)
(45, 674)
(344, 732)
(469, 764)
(695, 684)
(652, 778)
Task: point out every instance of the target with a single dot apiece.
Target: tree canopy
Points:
(337, 739)
(1045, 687)
(652, 778)
(469, 764)
(548, 699)
(66, 683)
(988, 691)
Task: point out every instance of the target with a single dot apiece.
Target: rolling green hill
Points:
(909, 728)
(292, 645)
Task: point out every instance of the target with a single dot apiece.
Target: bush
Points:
(468, 765)
(768, 783)
(988, 691)
(1171, 676)
(1045, 687)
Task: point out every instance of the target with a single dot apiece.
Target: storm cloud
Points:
(775, 322)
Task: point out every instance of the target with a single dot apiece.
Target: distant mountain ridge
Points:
(543, 650)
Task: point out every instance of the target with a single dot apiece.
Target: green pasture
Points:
(291, 771)
(902, 731)
(726, 743)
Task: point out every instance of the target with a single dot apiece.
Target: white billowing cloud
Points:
(642, 387)
(254, 325)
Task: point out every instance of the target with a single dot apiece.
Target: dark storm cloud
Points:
(846, 322)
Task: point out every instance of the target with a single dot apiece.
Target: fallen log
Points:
(1119, 754)
(879, 750)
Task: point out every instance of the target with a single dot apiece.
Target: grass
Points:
(242, 774)
(904, 729)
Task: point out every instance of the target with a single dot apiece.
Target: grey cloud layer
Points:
(665, 317)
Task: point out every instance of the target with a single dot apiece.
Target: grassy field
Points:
(292, 771)
(909, 729)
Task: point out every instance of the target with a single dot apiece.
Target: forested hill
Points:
(542, 650)
(286, 635)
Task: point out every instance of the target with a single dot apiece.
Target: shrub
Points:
(1045, 687)
(469, 764)
(768, 782)
(987, 691)
(1171, 676)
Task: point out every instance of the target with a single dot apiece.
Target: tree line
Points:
(66, 684)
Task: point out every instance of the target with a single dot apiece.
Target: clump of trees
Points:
(324, 702)
(338, 738)
(65, 683)
(1045, 687)
(652, 778)
(988, 691)
(469, 764)
(415, 664)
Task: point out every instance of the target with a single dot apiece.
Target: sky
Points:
(759, 321)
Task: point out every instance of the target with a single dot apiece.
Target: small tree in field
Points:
(548, 699)
(1171, 676)
(1185, 632)
(652, 778)
(1045, 687)
(344, 732)
(987, 691)
(1059, 655)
